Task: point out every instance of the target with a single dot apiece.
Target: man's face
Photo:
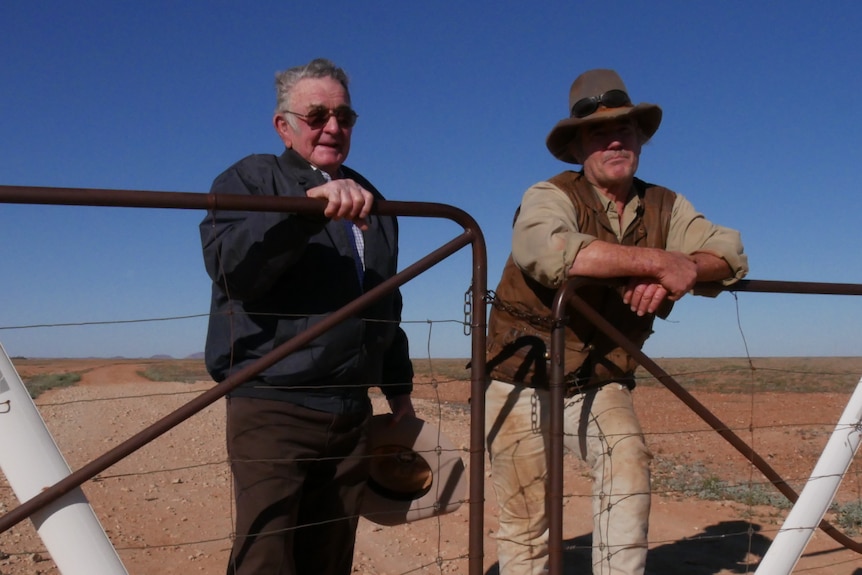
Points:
(327, 146)
(610, 152)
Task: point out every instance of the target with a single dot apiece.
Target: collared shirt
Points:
(358, 238)
(276, 274)
(546, 239)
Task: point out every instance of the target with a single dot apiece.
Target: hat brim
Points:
(647, 115)
(385, 506)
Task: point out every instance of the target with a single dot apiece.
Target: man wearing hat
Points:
(645, 247)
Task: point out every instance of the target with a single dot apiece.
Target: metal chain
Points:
(491, 298)
(468, 310)
(544, 321)
(535, 425)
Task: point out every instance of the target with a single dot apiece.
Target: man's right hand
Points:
(644, 295)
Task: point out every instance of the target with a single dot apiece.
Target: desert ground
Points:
(167, 507)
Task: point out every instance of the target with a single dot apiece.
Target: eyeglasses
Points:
(610, 99)
(318, 116)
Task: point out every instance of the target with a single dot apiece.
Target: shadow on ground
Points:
(723, 547)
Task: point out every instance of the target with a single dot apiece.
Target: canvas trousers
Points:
(299, 475)
(601, 428)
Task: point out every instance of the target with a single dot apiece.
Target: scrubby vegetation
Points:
(38, 384)
(182, 370)
(696, 480)
(760, 374)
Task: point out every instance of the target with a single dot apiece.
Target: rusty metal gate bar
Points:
(566, 295)
(178, 200)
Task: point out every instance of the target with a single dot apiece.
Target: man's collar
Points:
(606, 201)
(304, 172)
(296, 162)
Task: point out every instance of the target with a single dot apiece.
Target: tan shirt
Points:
(546, 239)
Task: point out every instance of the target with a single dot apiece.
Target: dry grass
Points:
(735, 375)
(726, 374)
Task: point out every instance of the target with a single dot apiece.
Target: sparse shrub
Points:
(39, 384)
(182, 371)
(696, 480)
(849, 516)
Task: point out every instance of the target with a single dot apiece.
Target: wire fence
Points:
(167, 507)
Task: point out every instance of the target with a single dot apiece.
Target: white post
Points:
(799, 526)
(32, 462)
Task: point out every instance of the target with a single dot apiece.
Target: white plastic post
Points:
(788, 545)
(32, 462)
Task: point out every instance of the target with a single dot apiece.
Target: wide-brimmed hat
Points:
(598, 96)
(416, 472)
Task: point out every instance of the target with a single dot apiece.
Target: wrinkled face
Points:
(325, 146)
(609, 152)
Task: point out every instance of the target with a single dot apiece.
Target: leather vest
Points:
(519, 326)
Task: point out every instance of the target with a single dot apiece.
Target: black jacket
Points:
(275, 274)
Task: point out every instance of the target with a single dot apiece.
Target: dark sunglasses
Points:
(318, 116)
(610, 99)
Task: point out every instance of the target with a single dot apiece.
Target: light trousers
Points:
(601, 428)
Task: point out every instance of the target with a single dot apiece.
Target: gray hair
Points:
(286, 81)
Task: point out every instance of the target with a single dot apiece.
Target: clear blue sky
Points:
(761, 131)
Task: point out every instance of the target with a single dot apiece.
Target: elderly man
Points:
(651, 247)
(296, 434)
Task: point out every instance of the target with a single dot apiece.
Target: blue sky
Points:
(761, 131)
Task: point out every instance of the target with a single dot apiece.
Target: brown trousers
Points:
(298, 479)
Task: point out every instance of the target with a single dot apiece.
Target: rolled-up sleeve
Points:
(691, 232)
(545, 237)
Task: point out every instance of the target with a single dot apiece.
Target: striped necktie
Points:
(358, 259)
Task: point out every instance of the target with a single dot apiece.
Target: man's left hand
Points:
(401, 406)
(644, 295)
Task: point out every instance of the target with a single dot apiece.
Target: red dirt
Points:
(167, 507)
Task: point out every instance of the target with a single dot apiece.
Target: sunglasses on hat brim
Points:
(610, 99)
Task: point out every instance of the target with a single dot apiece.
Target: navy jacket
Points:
(275, 274)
